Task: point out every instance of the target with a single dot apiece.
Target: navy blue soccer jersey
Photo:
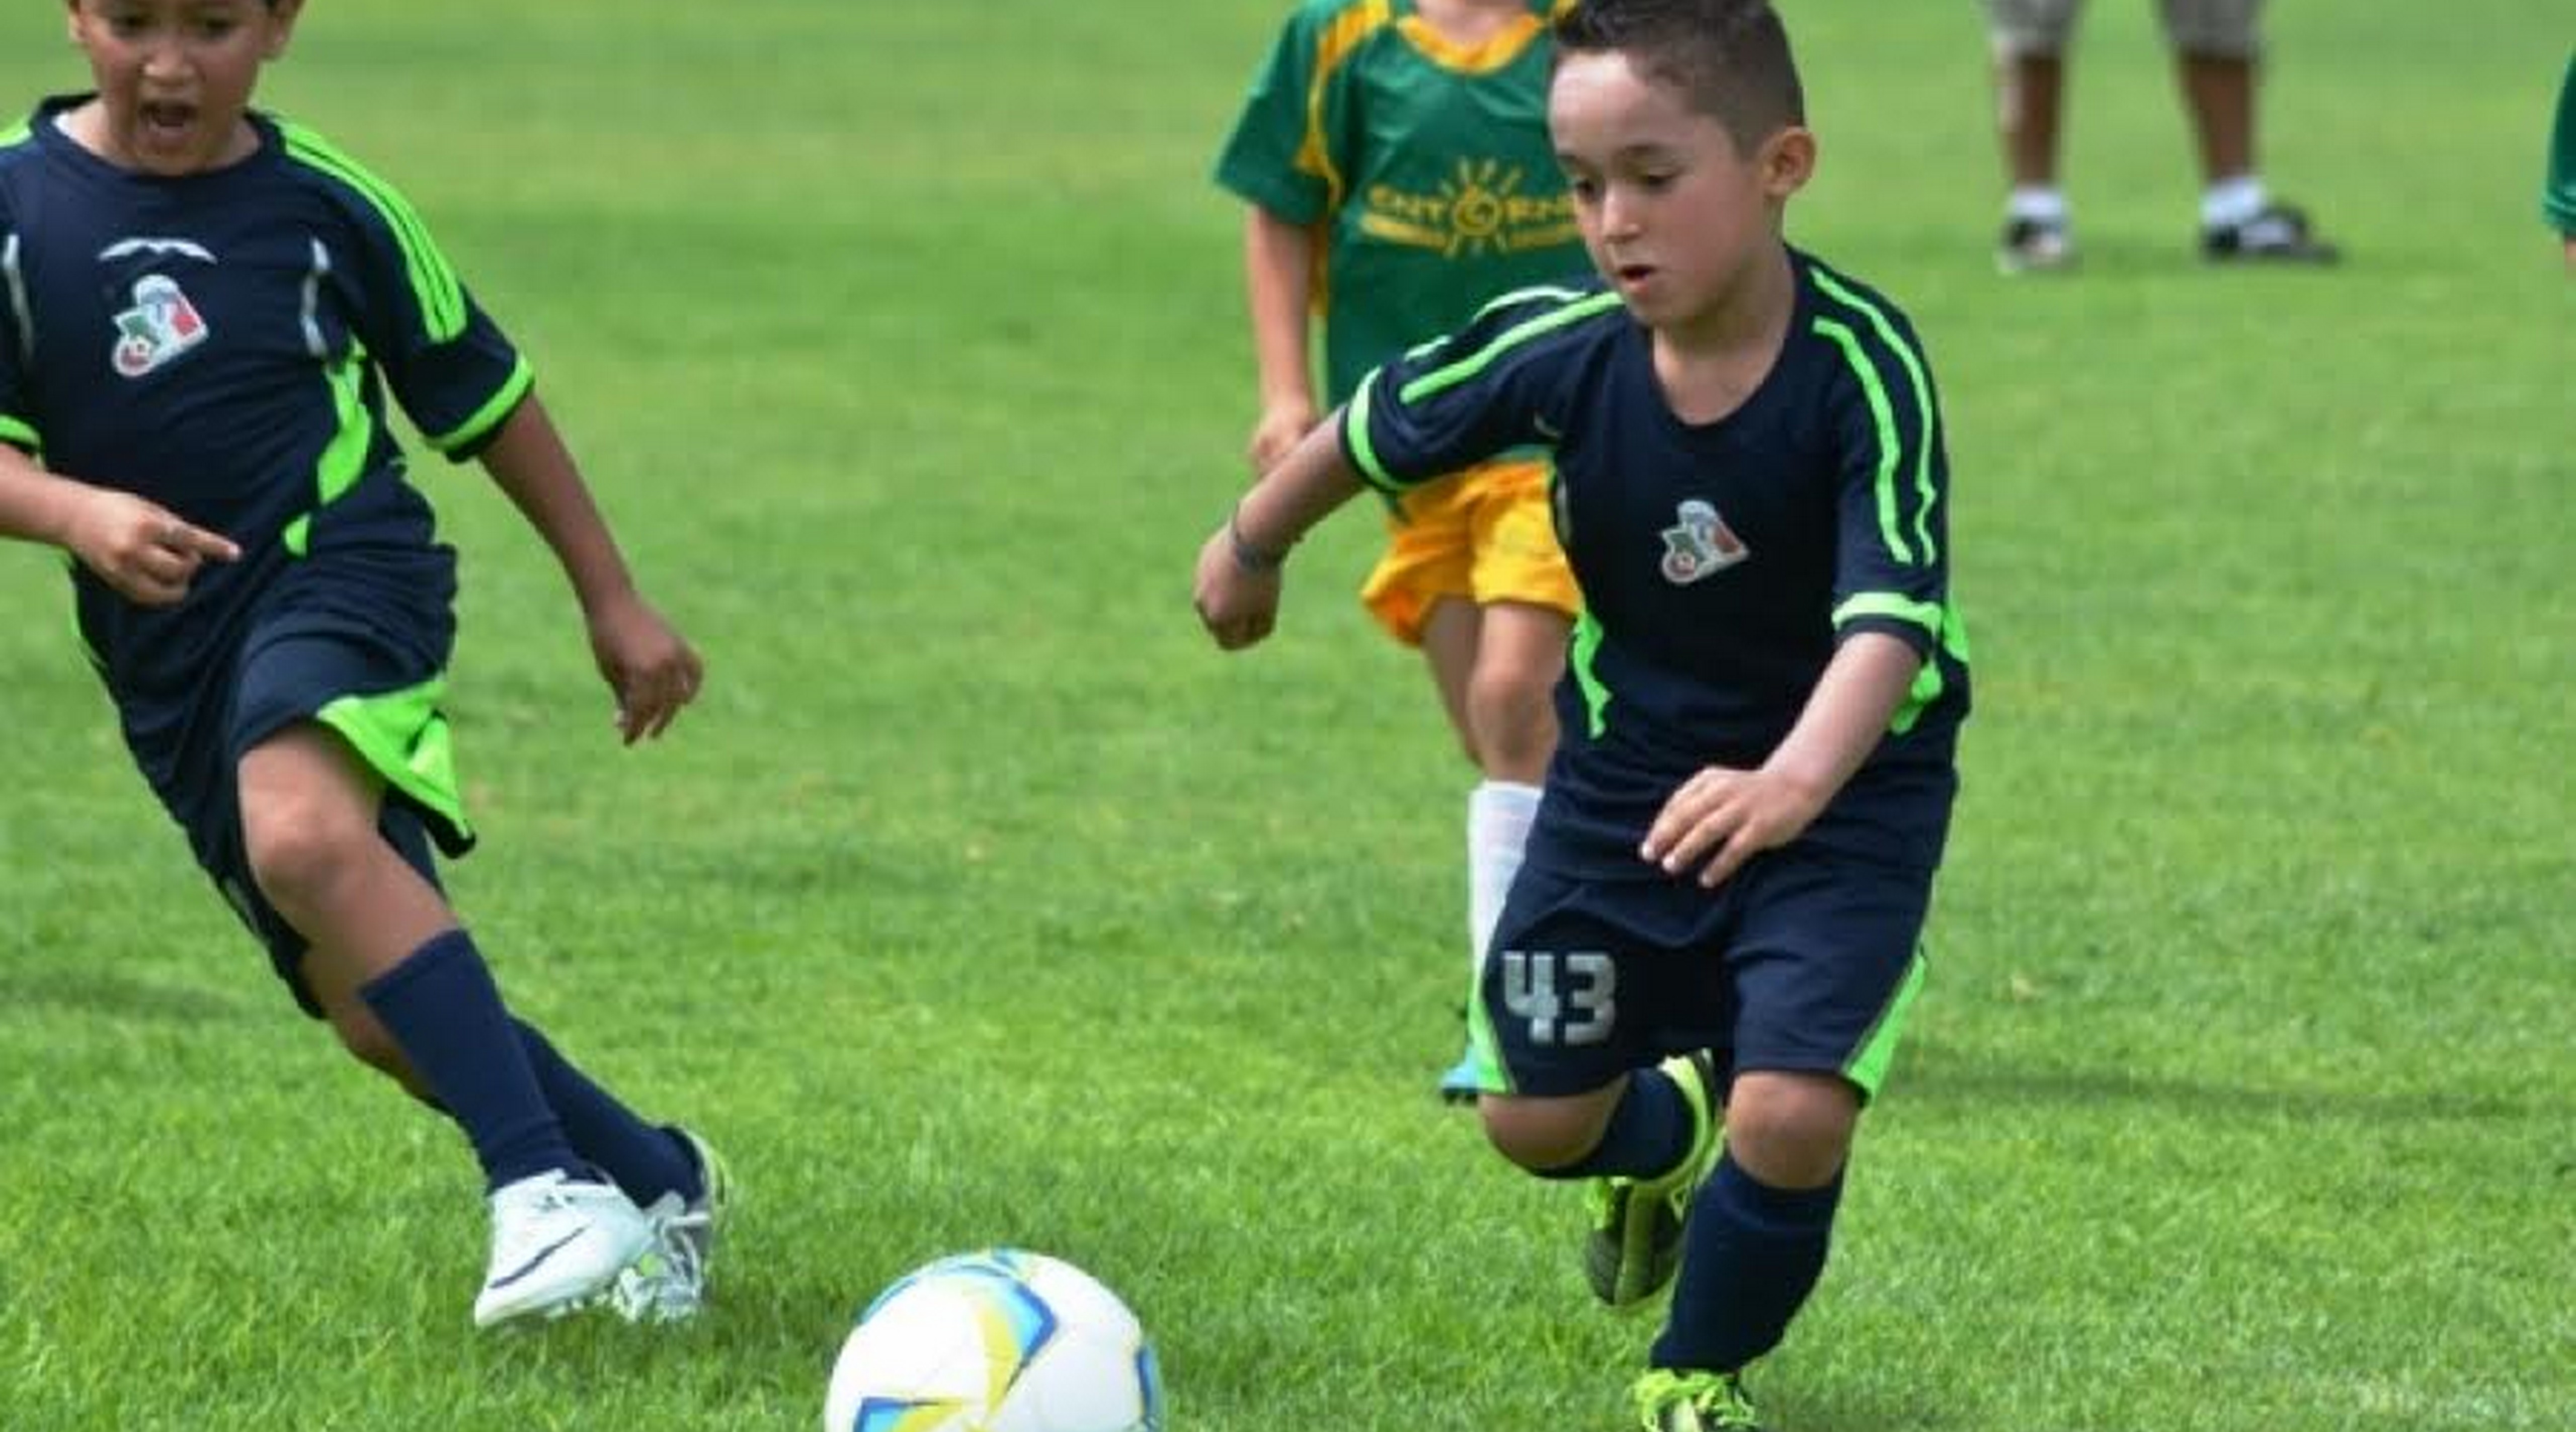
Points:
(222, 344)
(1720, 563)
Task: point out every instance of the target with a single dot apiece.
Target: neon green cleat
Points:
(1636, 1240)
(1674, 1401)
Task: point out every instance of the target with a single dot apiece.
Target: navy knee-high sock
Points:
(645, 1160)
(441, 1007)
(1648, 1132)
(1750, 1256)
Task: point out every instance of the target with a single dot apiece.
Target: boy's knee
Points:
(1791, 1130)
(293, 851)
(1511, 711)
(1541, 1134)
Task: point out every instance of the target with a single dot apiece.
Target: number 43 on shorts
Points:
(1567, 998)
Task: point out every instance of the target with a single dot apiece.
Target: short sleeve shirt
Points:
(1720, 563)
(223, 343)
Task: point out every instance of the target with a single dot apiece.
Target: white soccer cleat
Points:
(557, 1243)
(668, 1283)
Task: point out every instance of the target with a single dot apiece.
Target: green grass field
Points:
(982, 901)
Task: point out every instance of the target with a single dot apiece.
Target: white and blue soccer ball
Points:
(1001, 1340)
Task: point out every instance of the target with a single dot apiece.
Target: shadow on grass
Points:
(101, 993)
(1846, 1414)
(1941, 1079)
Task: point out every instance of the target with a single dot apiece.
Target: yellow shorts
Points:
(1484, 534)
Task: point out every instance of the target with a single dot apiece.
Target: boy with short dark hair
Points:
(202, 308)
(1721, 906)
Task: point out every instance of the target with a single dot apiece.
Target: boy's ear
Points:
(281, 25)
(1788, 160)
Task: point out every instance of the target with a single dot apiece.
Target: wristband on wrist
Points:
(1247, 556)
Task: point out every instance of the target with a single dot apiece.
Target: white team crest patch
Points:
(160, 326)
(1700, 543)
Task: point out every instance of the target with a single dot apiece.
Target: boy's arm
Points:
(1724, 816)
(140, 548)
(645, 661)
(1278, 283)
(1237, 587)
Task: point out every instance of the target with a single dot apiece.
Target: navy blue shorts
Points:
(349, 651)
(1806, 960)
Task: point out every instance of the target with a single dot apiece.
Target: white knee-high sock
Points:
(1498, 826)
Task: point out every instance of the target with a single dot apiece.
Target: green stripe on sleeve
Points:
(1913, 364)
(1926, 615)
(1355, 428)
(18, 434)
(1441, 379)
(433, 281)
(1885, 418)
(489, 416)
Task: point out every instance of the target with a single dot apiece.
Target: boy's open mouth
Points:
(167, 119)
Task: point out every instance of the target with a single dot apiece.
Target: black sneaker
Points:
(2280, 234)
(2035, 246)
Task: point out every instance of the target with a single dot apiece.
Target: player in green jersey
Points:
(1393, 157)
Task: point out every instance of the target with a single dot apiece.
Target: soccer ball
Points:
(997, 1341)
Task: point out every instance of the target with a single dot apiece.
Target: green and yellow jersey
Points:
(1425, 165)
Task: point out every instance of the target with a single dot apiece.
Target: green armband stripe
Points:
(1926, 615)
(474, 429)
(433, 281)
(1913, 364)
(19, 434)
(17, 133)
(1442, 379)
(1355, 424)
(1948, 628)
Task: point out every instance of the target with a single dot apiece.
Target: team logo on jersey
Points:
(1700, 543)
(160, 326)
(1480, 209)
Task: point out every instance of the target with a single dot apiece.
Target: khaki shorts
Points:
(2195, 27)
(1484, 535)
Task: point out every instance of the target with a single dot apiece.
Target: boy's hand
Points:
(1237, 603)
(1725, 816)
(1281, 425)
(646, 662)
(142, 549)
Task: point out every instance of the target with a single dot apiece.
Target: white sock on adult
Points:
(2039, 203)
(2232, 201)
(1498, 826)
